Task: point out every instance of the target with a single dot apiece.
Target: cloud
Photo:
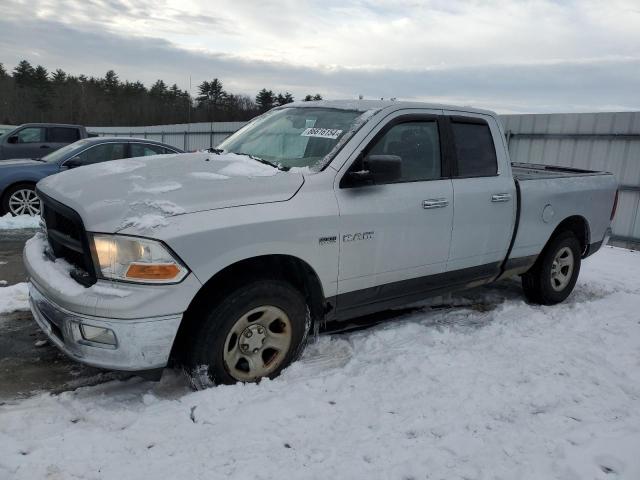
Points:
(538, 56)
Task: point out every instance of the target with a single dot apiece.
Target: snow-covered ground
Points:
(511, 392)
(8, 222)
(13, 298)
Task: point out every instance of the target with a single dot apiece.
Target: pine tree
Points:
(23, 74)
(59, 77)
(265, 100)
(284, 99)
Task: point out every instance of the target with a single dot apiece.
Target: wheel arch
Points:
(576, 224)
(277, 266)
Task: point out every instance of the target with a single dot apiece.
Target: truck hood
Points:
(140, 194)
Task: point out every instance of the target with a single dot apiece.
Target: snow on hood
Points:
(142, 192)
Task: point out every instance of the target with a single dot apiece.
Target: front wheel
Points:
(254, 332)
(555, 273)
(21, 200)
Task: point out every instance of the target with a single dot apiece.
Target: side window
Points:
(475, 151)
(63, 135)
(103, 153)
(31, 135)
(146, 149)
(418, 146)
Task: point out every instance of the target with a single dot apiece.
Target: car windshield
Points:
(66, 152)
(294, 136)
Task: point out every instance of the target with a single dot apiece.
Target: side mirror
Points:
(73, 162)
(12, 139)
(376, 169)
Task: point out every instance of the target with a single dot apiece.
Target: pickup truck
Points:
(35, 140)
(224, 261)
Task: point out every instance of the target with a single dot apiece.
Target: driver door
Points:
(28, 142)
(395, 237)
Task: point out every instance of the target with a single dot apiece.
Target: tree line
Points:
(33, 94)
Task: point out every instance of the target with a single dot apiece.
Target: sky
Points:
(509, 56)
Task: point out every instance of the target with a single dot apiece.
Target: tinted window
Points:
(475, 151)
(145, 149)
(63, 135)
(418, 146)
(103, 153)
(31, 135)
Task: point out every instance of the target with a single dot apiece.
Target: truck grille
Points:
(68, 239)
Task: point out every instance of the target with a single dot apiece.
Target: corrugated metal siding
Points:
(194, 136)
(593, 141)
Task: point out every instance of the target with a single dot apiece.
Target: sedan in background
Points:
(18, 177)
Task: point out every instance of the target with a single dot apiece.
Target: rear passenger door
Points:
(58, 137)
(484, 196)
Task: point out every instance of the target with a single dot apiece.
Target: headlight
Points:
(133, 259)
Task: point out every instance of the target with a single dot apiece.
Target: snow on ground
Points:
(14, 298)
(8, 222)
(512, 392)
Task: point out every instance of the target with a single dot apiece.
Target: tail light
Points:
(615, 206)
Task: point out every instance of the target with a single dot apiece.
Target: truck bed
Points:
(533, 171)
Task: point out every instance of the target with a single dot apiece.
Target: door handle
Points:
(435, 203)
(500, 197)
(45, 146)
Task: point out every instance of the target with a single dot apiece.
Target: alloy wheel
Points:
(24, 202)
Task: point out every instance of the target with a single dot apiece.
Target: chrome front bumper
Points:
(140, 344)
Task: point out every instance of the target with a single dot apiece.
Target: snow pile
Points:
(245, 166)
(145, 222)
(14, 298)
(514, 392)
(165, 206)
(161, 187)
(8, 222)
(208, 176)
(115, 167)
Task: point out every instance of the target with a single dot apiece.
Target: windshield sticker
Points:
(322, 133)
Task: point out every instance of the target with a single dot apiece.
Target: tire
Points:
(255, 331)
(552, 279)
(21, 199)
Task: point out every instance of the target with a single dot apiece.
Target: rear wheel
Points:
(21, 200)
(254, 332)
(554, 275)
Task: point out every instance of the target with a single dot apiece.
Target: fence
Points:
(594, 141)
(189, 137)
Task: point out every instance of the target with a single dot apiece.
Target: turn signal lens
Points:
(139, 271)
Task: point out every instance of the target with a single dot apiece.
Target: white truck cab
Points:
(315, 211)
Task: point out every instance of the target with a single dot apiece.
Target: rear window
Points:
(63, 135)
(475, 152)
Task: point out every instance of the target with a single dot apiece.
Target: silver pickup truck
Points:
(225, 260)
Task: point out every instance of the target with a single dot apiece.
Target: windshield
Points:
(66, 152)
(293, 137)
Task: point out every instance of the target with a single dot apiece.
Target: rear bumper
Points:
(140, 344)
(594, 247)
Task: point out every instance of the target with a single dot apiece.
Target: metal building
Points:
(592, 141)
(187, 136)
